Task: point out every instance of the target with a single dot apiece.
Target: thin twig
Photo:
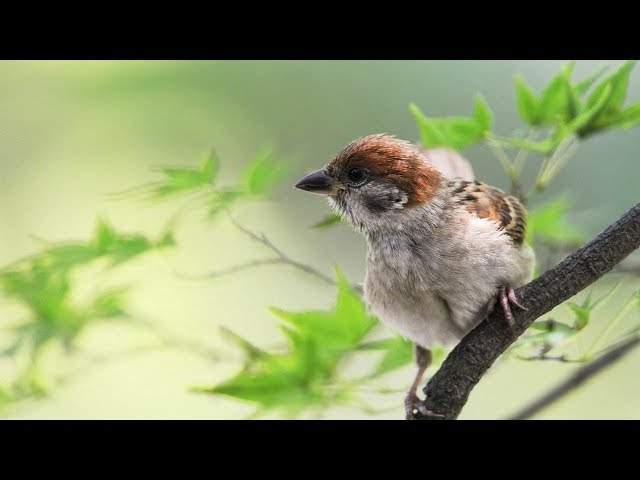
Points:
(551, 358)
(169, 340)
(577, 379)
(610, 326)
(503, 158)
(281, 258)
(523, 153)
(230, 270)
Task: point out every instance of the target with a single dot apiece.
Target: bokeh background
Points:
(73, 132)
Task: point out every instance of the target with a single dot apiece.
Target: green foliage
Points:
(397, 354)
(552, 334)
(179, 180)
(328, 221)
(608, 116)
(257, 180)
(454, 132)
(526, 101)
(262, 173)
(584, 85)
(303, 376)
(29, 385)
(45, 283)
(318, 343)
(563, 106)
(582, 312)
(548, 222)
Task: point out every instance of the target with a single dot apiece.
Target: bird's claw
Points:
(511, 295)
(507, 297)
(413, 404)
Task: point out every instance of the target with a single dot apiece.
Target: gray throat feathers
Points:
(415, 228)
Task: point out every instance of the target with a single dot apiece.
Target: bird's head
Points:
(375, 180)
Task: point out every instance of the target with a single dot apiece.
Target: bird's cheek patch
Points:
(382, 200)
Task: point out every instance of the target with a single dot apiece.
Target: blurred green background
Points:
(73, 132)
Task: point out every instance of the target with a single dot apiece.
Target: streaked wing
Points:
(489, 202)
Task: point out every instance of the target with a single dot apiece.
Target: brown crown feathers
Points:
(395, 160)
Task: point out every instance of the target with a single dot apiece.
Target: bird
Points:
(442, 252)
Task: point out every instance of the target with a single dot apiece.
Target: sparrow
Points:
(441, 251)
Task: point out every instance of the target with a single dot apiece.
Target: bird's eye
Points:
(357, 174)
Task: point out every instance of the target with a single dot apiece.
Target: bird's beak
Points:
(319, 182)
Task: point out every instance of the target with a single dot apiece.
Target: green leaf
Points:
(581, 87)
(558, 101)
(548, 222)
(222, 200)
(399, 352)
(552, 333)
(210, 167)
(109, 304)
(104, 236)
(351, 310)
(430, 133)
(166, 240)
(128, 247)
(252, 352)
(461, 132)
(582, 314)
(184, 178)
(262, 173)
(526, 102)
(482, 114)
(279, 382)
(574, 105)
(541, 325)
(618, 83)
(328, 221)
(180, 180)
(454, 132)
(302, 376)
(585, 118)
(65, 257)
(553, 100)
(340, 329)
(628, 118)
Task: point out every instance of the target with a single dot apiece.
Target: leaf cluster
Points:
(257, 180)
(318, 345)
(44, 284)
(551, 334)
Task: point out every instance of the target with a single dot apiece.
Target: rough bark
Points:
(448, 390)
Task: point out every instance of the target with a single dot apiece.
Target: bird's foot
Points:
(507, 297)
(413, 404)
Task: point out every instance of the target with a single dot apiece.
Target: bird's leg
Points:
(507, 296)
(411, 401)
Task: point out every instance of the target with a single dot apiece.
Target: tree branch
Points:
(578, 378)
(281, 258)
(448, 390)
